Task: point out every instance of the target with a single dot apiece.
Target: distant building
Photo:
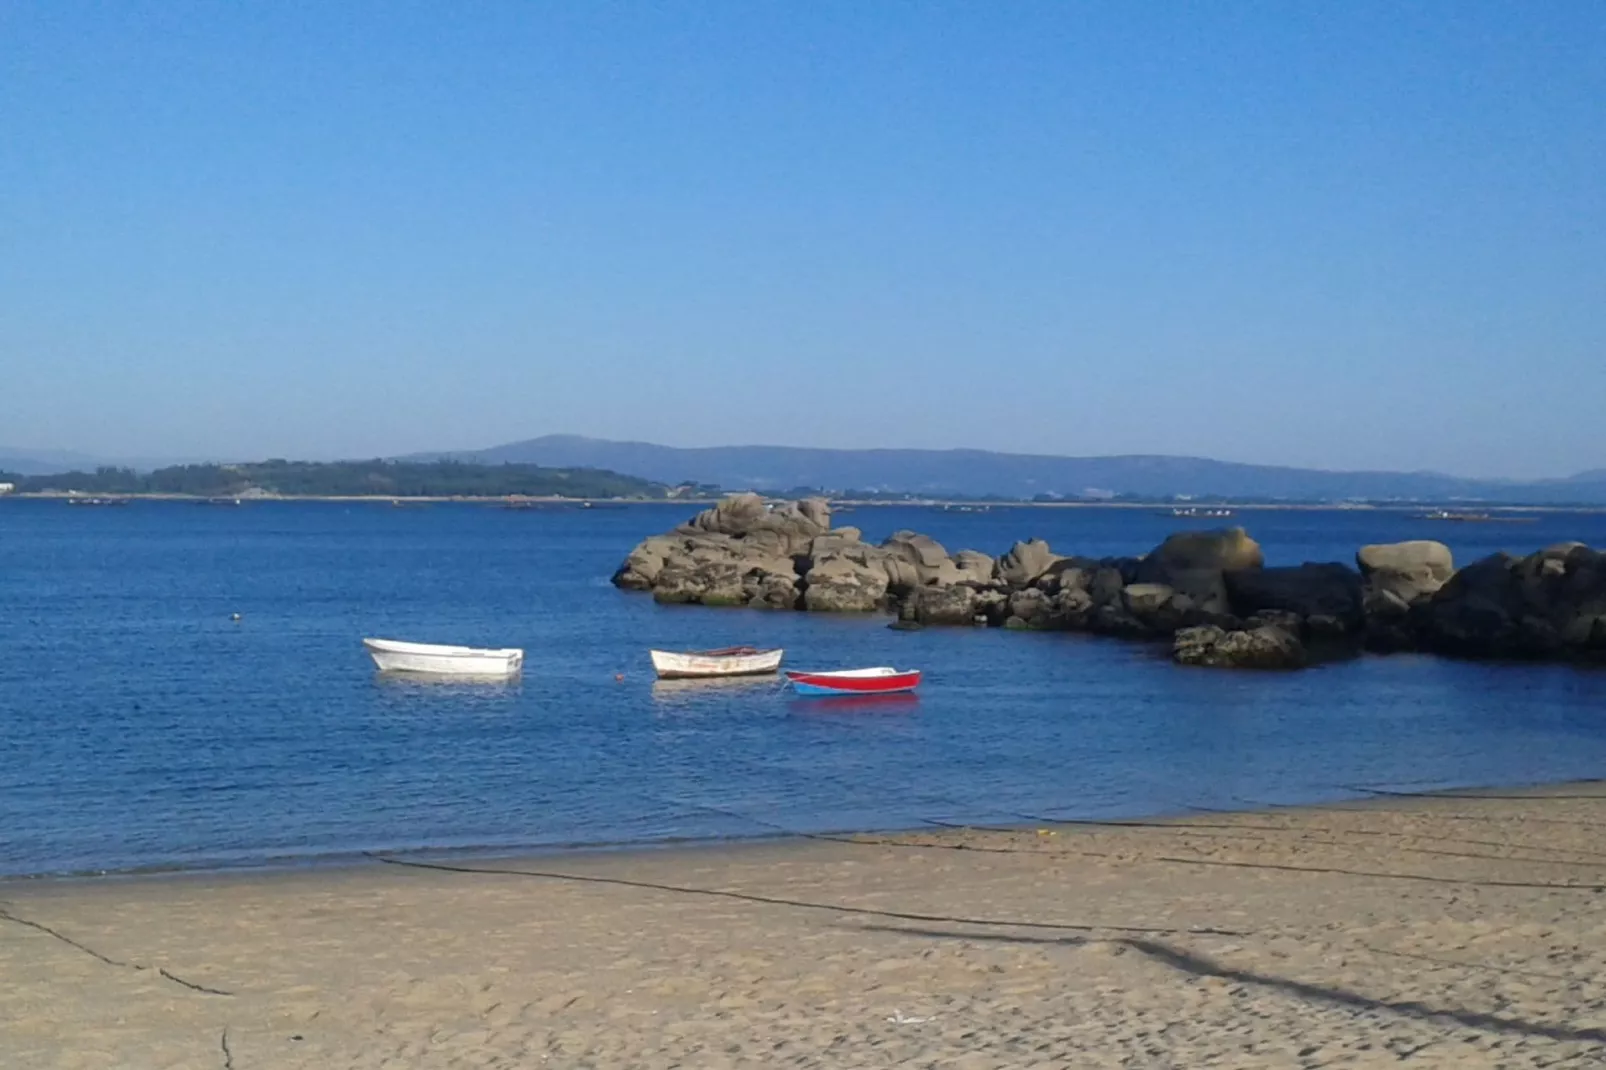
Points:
(7, 488)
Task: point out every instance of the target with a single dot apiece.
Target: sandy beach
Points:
(1451, 931)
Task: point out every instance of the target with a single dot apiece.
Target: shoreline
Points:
(363, 859)
(954, 504)
(1454, 929)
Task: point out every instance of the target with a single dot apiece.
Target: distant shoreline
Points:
(955, 504)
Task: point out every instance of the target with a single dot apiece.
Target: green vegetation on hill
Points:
(385, 479)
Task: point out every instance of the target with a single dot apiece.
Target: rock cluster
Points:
(1209, 591)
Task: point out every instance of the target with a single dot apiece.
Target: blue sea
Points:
(141, 726)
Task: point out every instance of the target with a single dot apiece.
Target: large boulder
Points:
(916, 560)
(1226, 550)
(710, 583)
(1159, 608)
(1194, 563)
(1028, 608)
(1259, 648)
(835, 540)
(640, 570)
(845, 577)
(1320, 592)
(1070, 609)
(954, 604)
(1105, 586)
(1025, 562)
(1067, 573)
(1401, 574)
(974, 567)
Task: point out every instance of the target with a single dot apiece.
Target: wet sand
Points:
(1431, 932)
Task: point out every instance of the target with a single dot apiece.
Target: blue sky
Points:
(1343, 235)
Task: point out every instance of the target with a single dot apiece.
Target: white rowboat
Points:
(393, 656)
(731, 661)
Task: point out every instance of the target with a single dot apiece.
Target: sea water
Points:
(143, 726)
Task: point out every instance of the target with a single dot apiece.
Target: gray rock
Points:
(992, 604)
(715, 583)
(1193, 562)
(1226, 550)
(1261, 648)
(1030, 607)
(787, 527)
(833, 541)
(1330, 591)
(1025, 562)
(914, 560)
(1072, 608)
(640, 570)
(1159, 608)
(941, 605)
(1402, 574)
(770, 590)
(1067, 573)
(1422, 561)
(1548, 604)
(974, 567)
(1144, 599)
(1105, 587)
(848, 580)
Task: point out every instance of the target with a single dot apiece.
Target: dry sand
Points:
(1442, 932)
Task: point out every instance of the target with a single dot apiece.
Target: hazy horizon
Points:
(1351, 238)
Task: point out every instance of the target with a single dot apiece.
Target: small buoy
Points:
(618, 676)
(234, 616)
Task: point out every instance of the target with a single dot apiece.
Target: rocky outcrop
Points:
(736, 553)
(1209, 591)
(1548, 604)
(1260, 648)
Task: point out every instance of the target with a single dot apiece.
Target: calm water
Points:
(141, 726)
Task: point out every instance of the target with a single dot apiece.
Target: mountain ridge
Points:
(982, 473)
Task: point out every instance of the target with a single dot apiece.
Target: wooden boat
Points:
(394, 656)
(881, 680)
(729, 661)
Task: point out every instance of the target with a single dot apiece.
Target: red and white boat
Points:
(881, 680)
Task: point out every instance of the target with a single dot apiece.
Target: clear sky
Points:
(1336, 234)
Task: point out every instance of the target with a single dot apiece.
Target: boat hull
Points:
(710, 664)
(393, 656)
(854, 682)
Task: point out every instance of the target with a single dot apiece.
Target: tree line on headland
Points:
(391, 479)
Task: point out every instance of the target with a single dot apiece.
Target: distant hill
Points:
(980, 473)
